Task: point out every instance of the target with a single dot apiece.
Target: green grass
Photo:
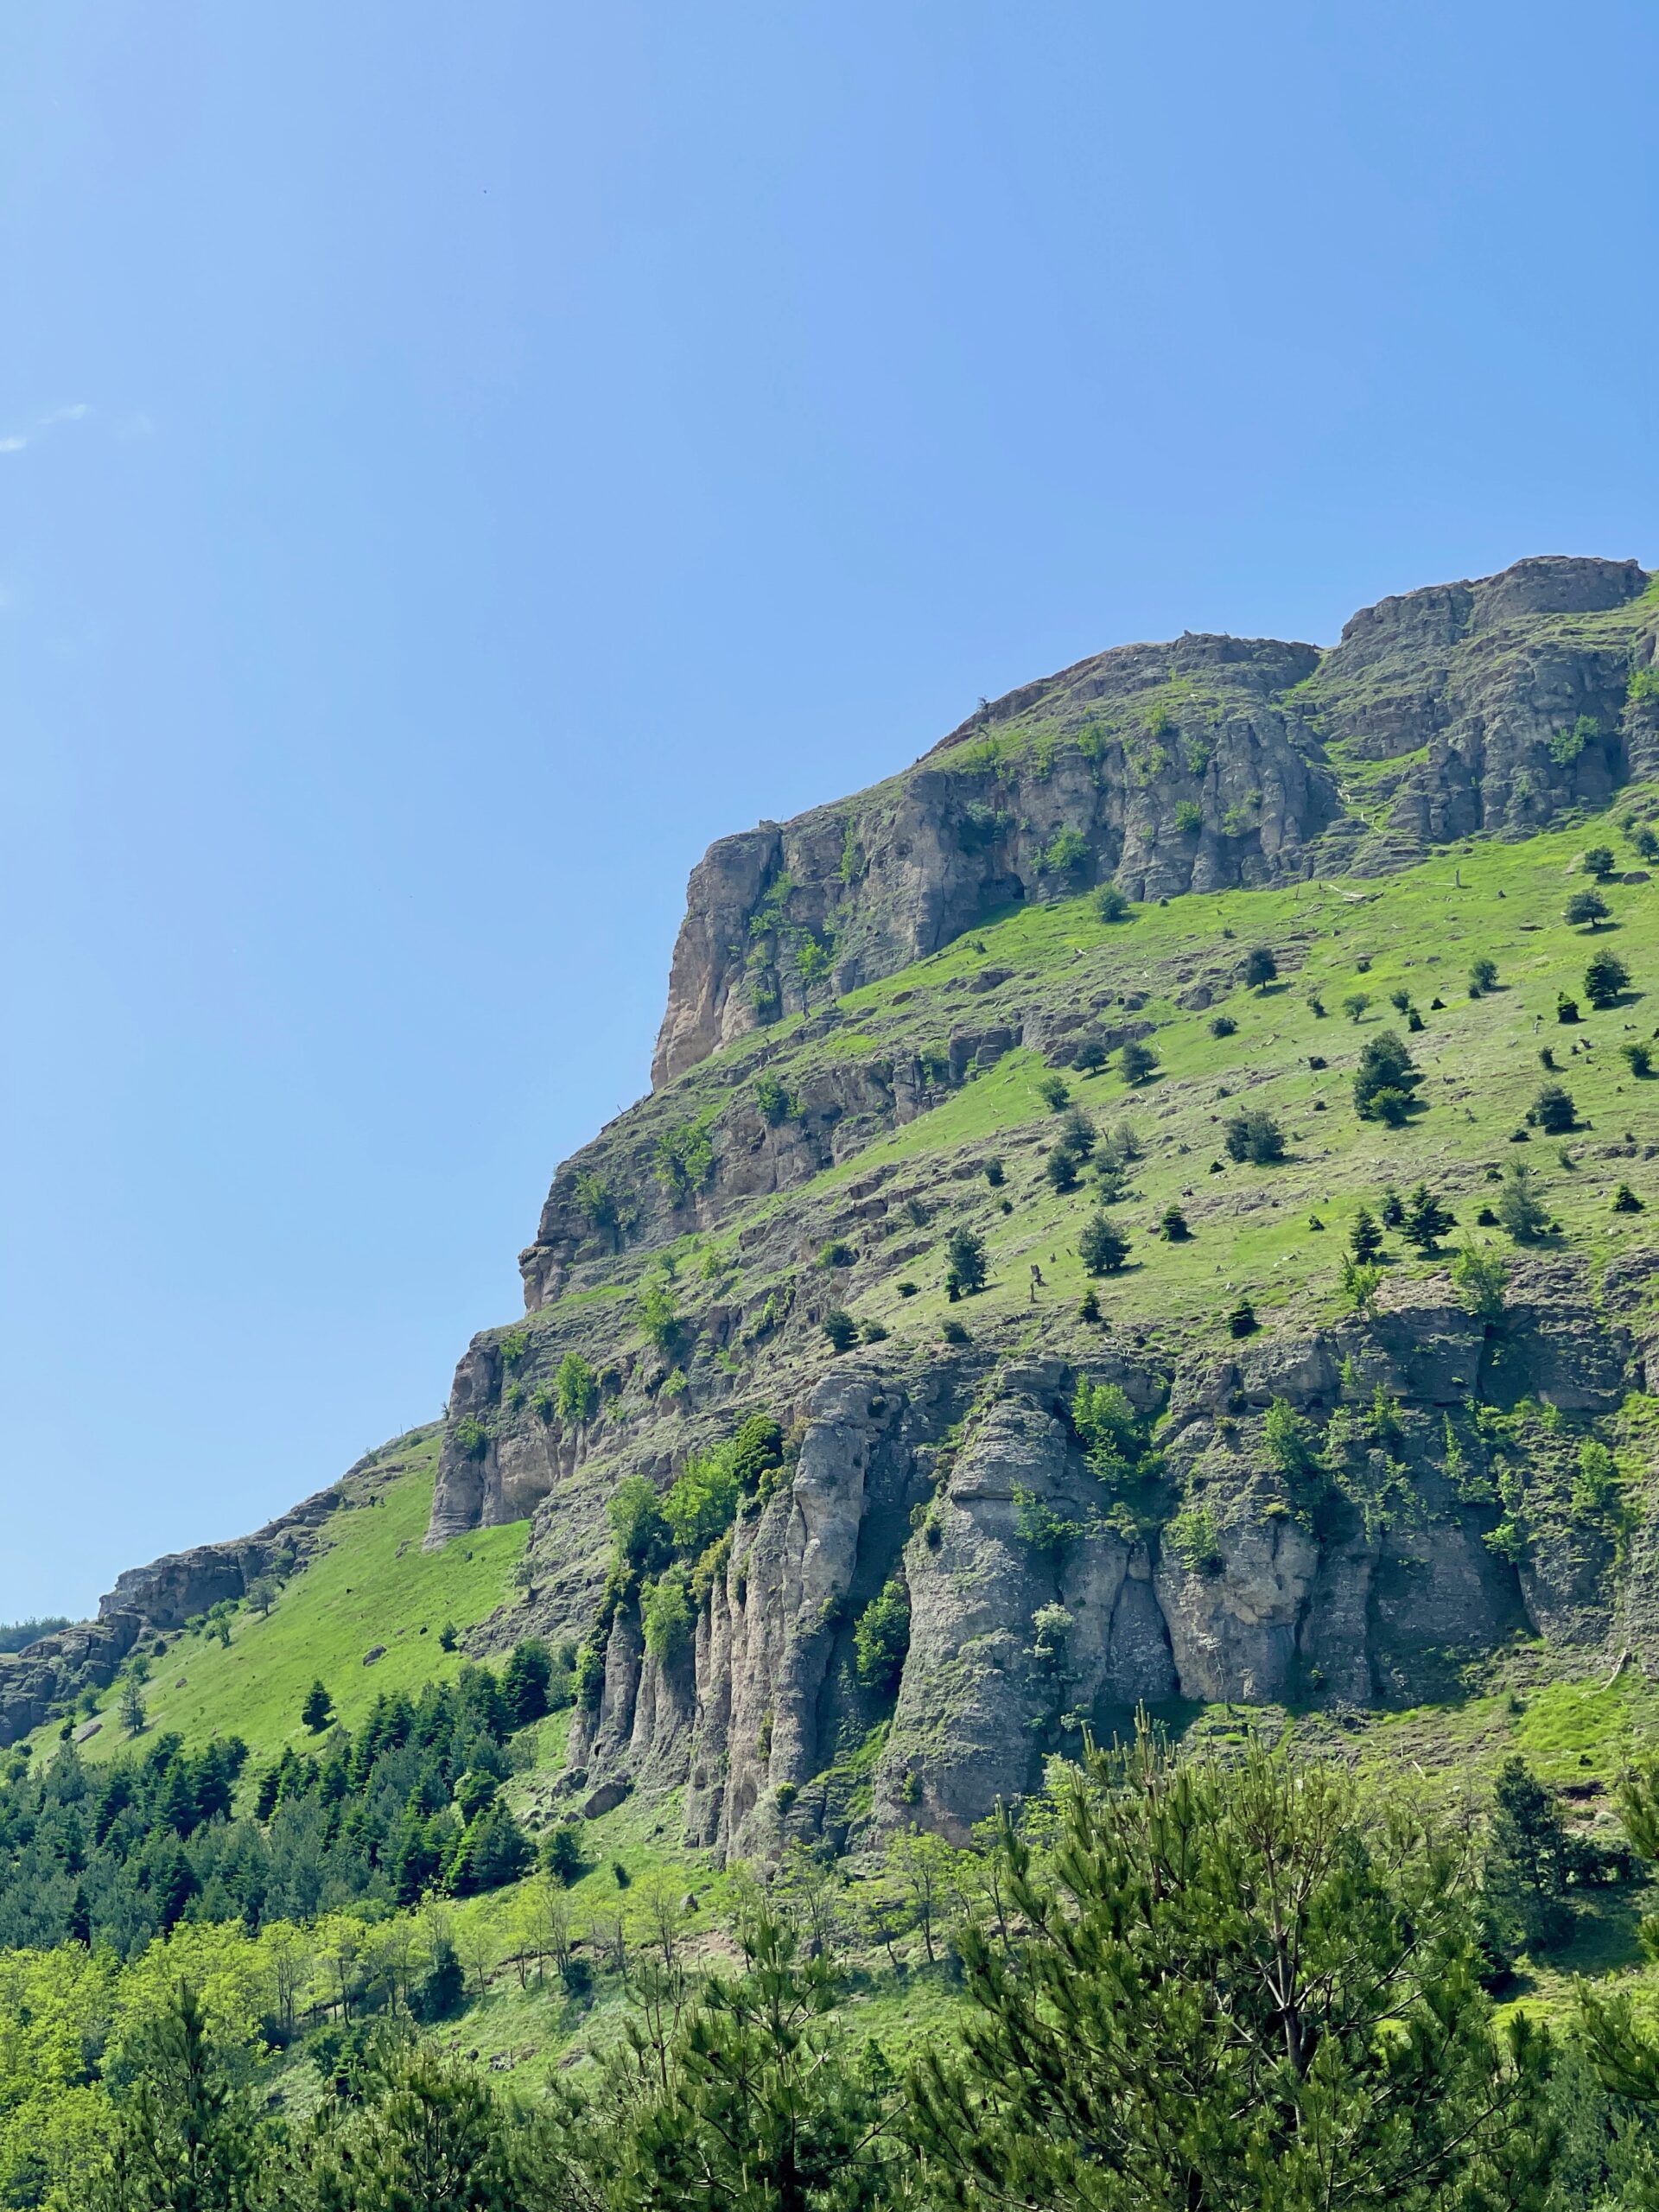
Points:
(373, 1585)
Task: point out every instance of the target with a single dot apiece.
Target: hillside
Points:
(1153, 1213)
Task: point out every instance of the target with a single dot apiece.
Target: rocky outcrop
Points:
(1368, 1582)
(1196, 765)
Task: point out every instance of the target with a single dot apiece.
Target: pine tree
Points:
(1366, 1240)
(1426, 1220)
(318, 1710)
(1196, 2019)
(1101, 1247)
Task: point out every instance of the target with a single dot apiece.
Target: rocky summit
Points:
(1149, 1206)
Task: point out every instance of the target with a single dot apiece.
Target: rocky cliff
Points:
(1492, 707)
(1336, 1508)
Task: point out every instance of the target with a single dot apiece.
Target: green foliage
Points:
(1189, 817)
(1207, 1978)
(1528, 1858)
(637, 1523)
(1552, 1111)
(1479, 1276)
(1567, 744)
(1604, 979)
(1260, 968)
(840, 1329)
(1137, 1062)
(1054, 1092)
(596, 1202)
(1597, 860)
(881, 1638)
(776, 1104)
(527, 1688)
(1386, 1080)
(318, 1710)
(657, 1315)
(1110, 904)
(1482, 977)
(1065, 853)
(575, 1390)
(1362, 1281)
(1518, 1210)
(966, 1264)
(471, 1437)
(1355, 1004)
(1172, 1226)
(685, 1158)
(1103, 1249)
(1242, 1321)
(1365, 1239)
(1586, 907)
(1426, 1220)
(1638, 1057)
(1194, 1539)
(666, 1616)
(1255, 1135)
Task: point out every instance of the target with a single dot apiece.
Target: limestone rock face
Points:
(927, 1469)
(1197, 766)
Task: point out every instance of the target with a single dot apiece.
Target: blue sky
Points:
(455, 462)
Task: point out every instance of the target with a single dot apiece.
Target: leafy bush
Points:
(775, 1103)
(666, 1617)
(1518, 1210)
(1599, 862)
(685, 1158)
(1066, 851)
(1053, 1092)
(659, 1317)
(1091, 1055)
(1195, 1540)
(1223, 1025)
(1110, 904)
(996, 1174)
(1189, 817)
(1355, 1004)
(471, 1439)
(1242, 1321)
(838, 1253)
(575, 1390)
(1482, 977)
(634, 1512)
(1137, 1062)
(881, 1638)
(1172, 1226)
(1638, 1058)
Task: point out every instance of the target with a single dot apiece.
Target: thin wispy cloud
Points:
(19, 441)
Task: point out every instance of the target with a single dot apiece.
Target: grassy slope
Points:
(1420, 930)
(373, 1585)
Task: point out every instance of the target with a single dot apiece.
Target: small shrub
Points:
(953, 1332)
(1638, 1058)
(873, 1332)
(1052, 1090)
(1088, 1306)
(1172, 1228)
(1355, 1004)
(1110, 904)
(1195, 1541)
(1242, 1321)
(1566, 1008)
(881, 1638)
(575, 1390)
(840, 1329)
(1625, 1200)
(1482, 977)
(1366, 1240)
(1223, 1025)
(1518, 1210)
(1189, 817)
(471, 1437)
(838, 1253)
(908, 1289)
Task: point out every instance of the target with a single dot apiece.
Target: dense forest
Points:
(1209, 1982)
